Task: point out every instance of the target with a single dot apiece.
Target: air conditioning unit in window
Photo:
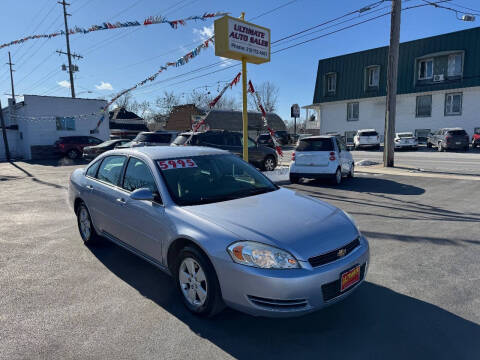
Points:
(437, 78)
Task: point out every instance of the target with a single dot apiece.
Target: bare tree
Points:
(166, 102)
(200, 98)
(268, 93)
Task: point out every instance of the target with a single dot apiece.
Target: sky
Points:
(117, 59)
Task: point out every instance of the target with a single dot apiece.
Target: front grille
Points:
(332, 290)
(333, 255)
(276, 304)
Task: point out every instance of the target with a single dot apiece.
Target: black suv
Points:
(449, 139)
(258, 155)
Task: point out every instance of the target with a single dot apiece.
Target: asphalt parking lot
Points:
(62, 300)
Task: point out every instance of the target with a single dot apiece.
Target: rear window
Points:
(405, 135)
(368, 133)
(457, 132)
(156, 138)
(315, 145)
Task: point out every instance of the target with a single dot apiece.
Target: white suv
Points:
(321, 157)
(366, 138)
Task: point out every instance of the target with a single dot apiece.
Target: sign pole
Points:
(245, 107)
(245, 110)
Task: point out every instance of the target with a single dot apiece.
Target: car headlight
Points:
(260, 255)
(352, 220)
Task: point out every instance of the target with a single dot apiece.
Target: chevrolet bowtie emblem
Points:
(341, 253)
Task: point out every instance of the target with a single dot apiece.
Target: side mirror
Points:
(142, 194)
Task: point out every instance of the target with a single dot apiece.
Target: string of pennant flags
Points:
(151, 20)
(179, 62)
(260, 107)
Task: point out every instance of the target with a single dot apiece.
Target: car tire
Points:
(85, 225)
(294, 179)
(73, 154)
(199, 291)
(337, 177)
(440, 147)
(466, 148)
(429, 145)
(269, 163)
(351, 173)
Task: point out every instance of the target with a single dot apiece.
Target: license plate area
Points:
(349, 278)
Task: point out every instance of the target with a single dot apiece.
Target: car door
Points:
(104, 194)
(255, 153)
(145, 225)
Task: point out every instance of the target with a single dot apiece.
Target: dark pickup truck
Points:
(449, 139)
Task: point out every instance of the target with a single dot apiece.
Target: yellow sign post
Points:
(240, 40)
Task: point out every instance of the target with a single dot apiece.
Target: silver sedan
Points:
(225, 232)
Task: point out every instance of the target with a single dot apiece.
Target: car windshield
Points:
(457, 132)
(107, 143)
(212, 178)
(405, 135)
(325, 144)
(180, 139)
(368, 133)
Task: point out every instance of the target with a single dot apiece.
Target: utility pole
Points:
(70, 68)
(11, 76)
(392, 73)
(244, 107)
(4, 132)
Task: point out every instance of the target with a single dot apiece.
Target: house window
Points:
(352, 111)
(424, 106)
(455, 65)
(373, 76)
(425, 69)
(65, 123)
(331, 80)
(453, 104)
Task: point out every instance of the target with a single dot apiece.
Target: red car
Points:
(476, 138)
(72, 146)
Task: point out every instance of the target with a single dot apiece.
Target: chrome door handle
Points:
(89, 187)
(121, 201)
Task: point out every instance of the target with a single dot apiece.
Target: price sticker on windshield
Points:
(176, 164)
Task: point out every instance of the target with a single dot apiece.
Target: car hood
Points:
(284, 218)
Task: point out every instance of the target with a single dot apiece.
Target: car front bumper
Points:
(287, 293)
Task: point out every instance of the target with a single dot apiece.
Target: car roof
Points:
(405, 132)
(362, 130)
(454, 128)
(166, 152)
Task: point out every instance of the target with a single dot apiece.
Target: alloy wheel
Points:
(269, 164)
(193, 282)
(85, 225)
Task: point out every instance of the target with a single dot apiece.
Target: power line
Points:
(275, 9)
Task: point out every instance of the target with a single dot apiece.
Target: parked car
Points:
(406, 140)
(72, 146)
(476, 137)
(266, 140)
(260, 156)
(422, 135)
(324, 156)
(302, 136)
(449, 139)
(366, 139)
(221, 229)
(283, 137)
(349, 136)
(157, 138)
(91, 152)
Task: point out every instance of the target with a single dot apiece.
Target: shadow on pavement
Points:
(373, 323)
(370, 185)
(34, 178)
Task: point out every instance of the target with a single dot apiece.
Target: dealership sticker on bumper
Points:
(349, 278)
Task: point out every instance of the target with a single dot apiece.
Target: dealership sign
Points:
(237, 39)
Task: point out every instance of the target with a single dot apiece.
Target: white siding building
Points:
(38, 121)
(438, 86)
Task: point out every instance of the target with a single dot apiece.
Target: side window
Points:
(213, 139)
(137, 176)
(92, 170)
(251, 143)
(92, 140)
(233, 140)
(111, 169)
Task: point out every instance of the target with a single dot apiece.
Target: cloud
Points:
(64, 83)
(104, 86)
(205, 32)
